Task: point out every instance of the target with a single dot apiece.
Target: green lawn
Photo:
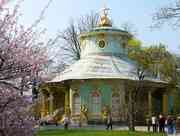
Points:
(92, 133)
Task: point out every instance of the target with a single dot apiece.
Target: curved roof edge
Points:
(109, 30)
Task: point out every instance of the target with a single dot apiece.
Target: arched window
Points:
(96, 102)
(76, 103)
(115, 104)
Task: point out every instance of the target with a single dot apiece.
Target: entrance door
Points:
(115, 106)
(76, 104)
(157, 102)
(60, 102)
(95, 104)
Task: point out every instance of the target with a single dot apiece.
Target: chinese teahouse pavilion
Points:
(99, 82)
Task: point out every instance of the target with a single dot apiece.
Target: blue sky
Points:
(137, 12)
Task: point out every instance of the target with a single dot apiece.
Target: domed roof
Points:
(109, 61)
(101, 66)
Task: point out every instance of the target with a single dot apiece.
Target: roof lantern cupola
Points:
(104, 19)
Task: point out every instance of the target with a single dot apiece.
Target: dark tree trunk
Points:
(2, 133)
(131, 123)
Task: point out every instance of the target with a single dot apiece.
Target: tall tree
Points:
(71, 45)
(21, 58)
(154, 61)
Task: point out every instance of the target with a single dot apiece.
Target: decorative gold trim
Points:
(104, 20)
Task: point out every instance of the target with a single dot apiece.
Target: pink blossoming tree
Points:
(21, 59)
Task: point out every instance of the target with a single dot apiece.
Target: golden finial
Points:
(104, 20)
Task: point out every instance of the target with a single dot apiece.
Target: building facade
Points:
(101, 81)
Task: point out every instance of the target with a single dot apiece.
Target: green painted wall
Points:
(170, 104)
(86, 91)
(157, 104)
(106, 92)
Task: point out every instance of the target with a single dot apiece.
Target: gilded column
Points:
(67, 98)
(71, 99)
(165, 103)
(43, 109)
(67, 107)
(51, 103)
(149, 103)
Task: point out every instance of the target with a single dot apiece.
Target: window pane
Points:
(115, 105)
(96, 102)
(77, 104)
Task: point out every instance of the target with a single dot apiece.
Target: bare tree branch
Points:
(169, 14)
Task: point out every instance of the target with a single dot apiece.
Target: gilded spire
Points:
(104, 20)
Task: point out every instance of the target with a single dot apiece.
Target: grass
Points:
(73, 132)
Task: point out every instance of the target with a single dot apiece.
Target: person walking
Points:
(169, 124)
(148, 123)
(109, 122)
(166, 125)
(154, 123)
(161, 123)
(66, 122)
(172, 126)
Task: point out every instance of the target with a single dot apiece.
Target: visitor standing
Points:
(161, 123)
(166, 125)
(148, 123)
(172, 125)
(66, 122)
(109, 122)
(169, 124)
(154, 123)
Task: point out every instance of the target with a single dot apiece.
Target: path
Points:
(98, 127)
